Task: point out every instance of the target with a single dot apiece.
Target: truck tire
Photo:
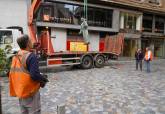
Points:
(99, 61)
(87, 62)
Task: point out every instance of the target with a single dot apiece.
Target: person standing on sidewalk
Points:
(148, 57)
(139, 59)
(25, 79)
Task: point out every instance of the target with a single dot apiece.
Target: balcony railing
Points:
(159, 31)
(147, 29)
(130, 31)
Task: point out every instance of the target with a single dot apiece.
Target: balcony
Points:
(130, 31)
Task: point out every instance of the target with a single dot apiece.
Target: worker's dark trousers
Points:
(139, 62)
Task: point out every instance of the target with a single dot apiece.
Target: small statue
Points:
(84, 30)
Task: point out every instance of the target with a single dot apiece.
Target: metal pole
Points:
(86, 10)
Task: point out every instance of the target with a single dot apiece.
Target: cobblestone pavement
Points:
(114, 89)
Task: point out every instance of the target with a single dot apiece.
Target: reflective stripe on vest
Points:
(21, 69)
(21, 84)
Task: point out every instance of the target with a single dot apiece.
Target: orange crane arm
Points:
(31, 26)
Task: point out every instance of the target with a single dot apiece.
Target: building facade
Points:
(151, 29)
(141, 21)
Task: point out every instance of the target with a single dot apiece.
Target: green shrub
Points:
(3, 62)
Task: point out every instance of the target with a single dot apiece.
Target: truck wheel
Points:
(99, 61)
(87, 62)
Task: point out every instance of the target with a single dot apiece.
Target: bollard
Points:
(61, 109)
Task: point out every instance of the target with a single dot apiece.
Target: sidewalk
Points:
(126, 58)
(121, 60)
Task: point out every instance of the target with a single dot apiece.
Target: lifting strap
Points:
(85, 10)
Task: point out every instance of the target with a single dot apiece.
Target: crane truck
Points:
(57, 46)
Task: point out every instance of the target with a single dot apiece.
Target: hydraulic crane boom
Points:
(45, 35)
(32, 10)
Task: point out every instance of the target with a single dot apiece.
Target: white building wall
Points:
(14, 13)
(139, 22)
(122, 21)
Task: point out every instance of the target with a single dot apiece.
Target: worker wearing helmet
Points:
(148, 58)
(25, 79)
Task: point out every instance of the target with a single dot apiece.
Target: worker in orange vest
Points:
(25, 79)
(148, 57)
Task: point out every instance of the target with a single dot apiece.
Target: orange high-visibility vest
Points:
(20, 82)
(148, 55)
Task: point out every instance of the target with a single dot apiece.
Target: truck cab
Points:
(8, 39)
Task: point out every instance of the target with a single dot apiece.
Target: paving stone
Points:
(149, 111)
(122, 90)
(13, 110)
(161, 109)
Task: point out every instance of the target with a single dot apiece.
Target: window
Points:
(6, 37)
(46, 13)
(159, 25)
(147, 23)
(130, 21)
(68, 13)
(71, 14)
(100, 17)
